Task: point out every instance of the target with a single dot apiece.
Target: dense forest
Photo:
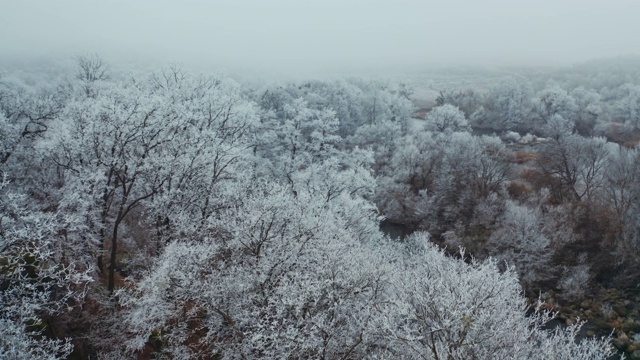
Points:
(166, 214)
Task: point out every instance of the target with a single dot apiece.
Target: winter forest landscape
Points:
(337, 179)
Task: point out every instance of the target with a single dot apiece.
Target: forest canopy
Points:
(174, 215)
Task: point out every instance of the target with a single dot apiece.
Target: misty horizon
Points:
(310, 38)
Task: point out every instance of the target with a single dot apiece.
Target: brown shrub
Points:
(530, 175)
(524, 157)
(518, 189)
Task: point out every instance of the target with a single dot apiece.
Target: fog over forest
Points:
(318, 37)
(355, 179)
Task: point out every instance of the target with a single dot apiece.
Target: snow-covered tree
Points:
(557, 127)
(444, 308)
(553, 101)
(446, 117)
(91, 70)
(587, 110)
(41, 276)
(281, 275)
(135, 143)
(627, 108)
(508, 105)
(520, 240)
(468, 101)
(437, 178)
(623, 197)
(574, 165)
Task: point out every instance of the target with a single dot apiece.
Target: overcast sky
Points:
(314, 35)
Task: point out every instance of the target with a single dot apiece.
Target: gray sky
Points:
(307, 36)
